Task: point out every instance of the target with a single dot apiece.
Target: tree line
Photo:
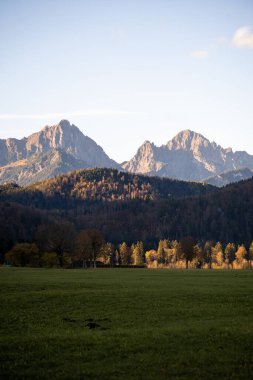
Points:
(60, 245)
(225, 215)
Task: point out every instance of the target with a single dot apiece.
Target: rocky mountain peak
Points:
(146, 159)
(147, 146)
(69, 138)
(65, 124)
(188, 140)
(57, 132)
(188, 156)
(78, 150)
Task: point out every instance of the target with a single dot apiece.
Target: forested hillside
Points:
(130, 208)
(111, 184)
(100, 185)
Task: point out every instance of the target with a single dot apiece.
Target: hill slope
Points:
(103, 185)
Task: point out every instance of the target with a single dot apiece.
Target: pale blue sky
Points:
(125, 71)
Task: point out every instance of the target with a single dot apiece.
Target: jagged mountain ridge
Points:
(52, 151)
(63, 147)
(188, 156)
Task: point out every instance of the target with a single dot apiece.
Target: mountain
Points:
(188, 156)
(224, 179)
(53, 150)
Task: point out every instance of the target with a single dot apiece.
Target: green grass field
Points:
(152, 324)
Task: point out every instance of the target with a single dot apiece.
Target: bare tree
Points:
(96, 243)
(58, 238)
(83, 247)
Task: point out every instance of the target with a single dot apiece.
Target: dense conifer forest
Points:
(126, 208)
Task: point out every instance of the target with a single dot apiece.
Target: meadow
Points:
(126, 324)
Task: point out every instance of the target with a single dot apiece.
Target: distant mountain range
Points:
(62, 148)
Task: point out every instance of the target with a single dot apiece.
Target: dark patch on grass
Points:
(93, 325)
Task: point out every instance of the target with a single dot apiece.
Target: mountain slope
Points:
(188, 156)
(53, 150)
(230, 177)
(39, 167)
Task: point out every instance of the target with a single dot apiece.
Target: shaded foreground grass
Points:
(148, 324)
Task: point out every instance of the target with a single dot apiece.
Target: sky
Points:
(128, 71)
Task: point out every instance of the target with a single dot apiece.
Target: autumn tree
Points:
(187, 249)
(49, 260)
(241, 254)
(170, 257)
(167, 254)
(150, 256)
(125, 254)
(209, 256)
(217, 254)
(161, 253)
(198, 256)
(132, 252)
(176, 251)
(23, 254)
(250, 255)
(106, 251)
(138, 253)
(116, 258)
(229, 254)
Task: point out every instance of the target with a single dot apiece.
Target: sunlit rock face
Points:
(188, 156)
(63, 147)
(54, 150)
